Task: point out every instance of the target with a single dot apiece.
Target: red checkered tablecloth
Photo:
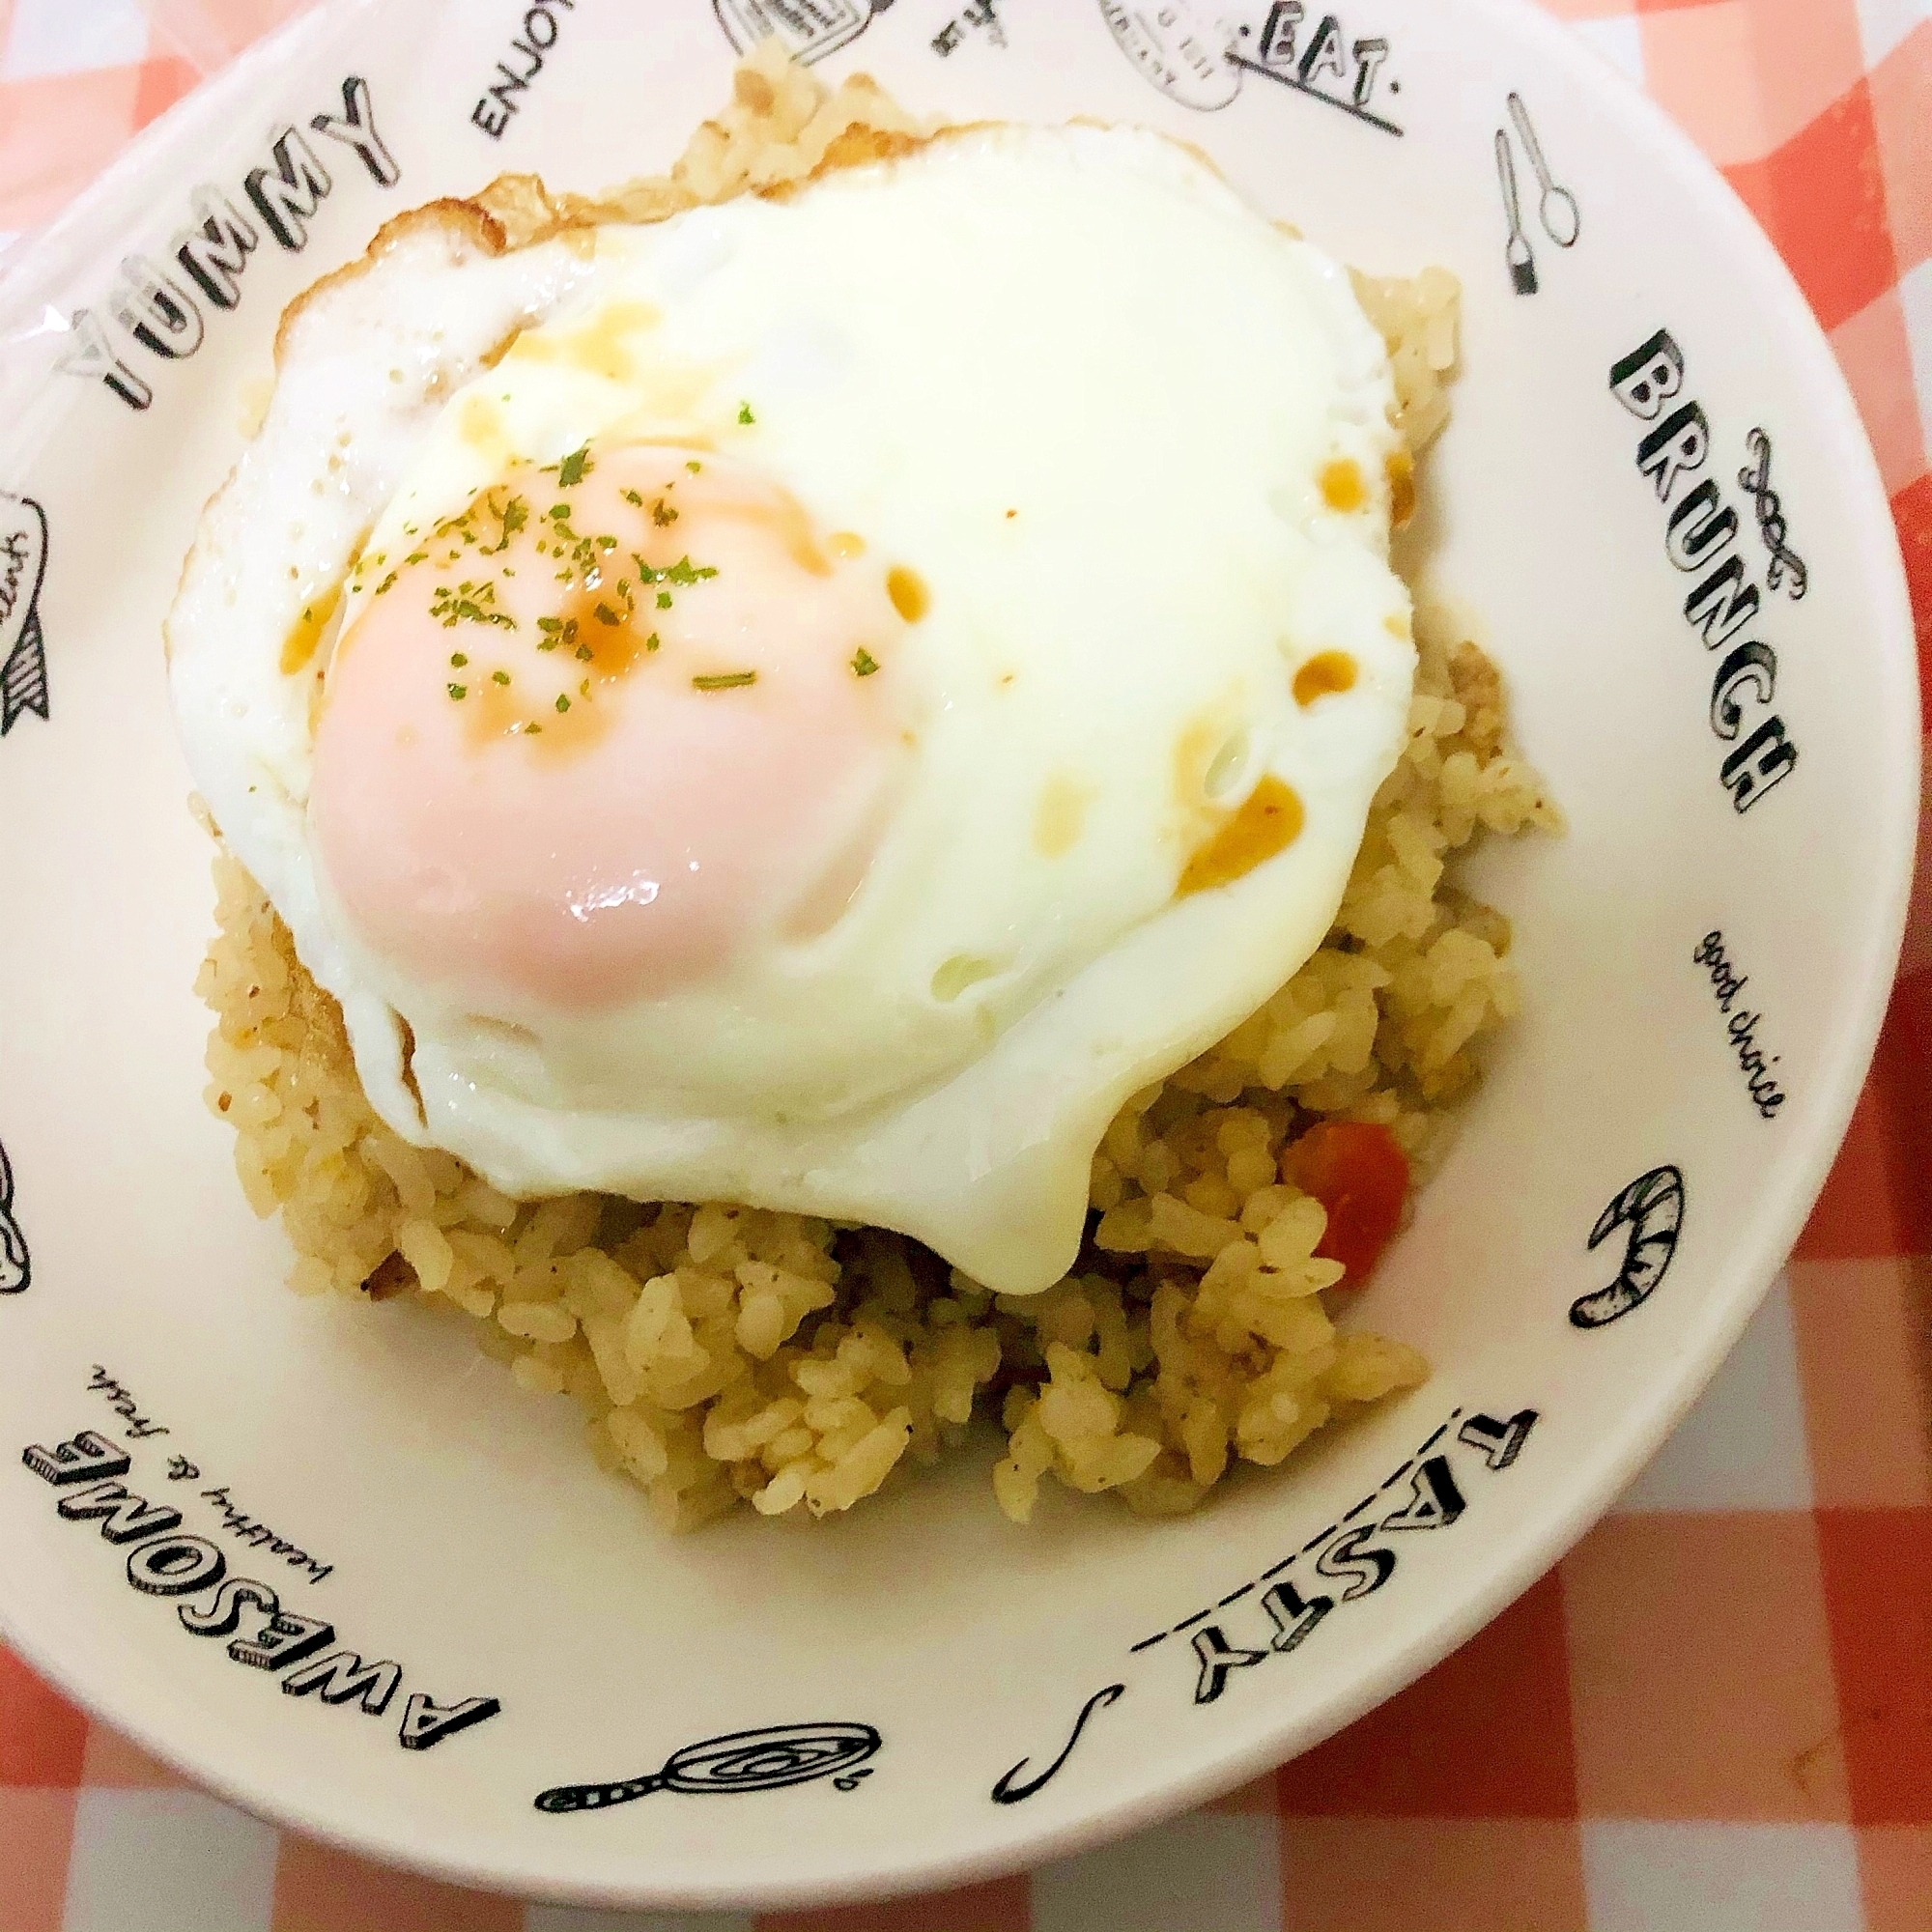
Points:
(1717, 1713)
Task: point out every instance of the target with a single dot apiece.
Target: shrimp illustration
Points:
(15, 1266)
(1653, 1207)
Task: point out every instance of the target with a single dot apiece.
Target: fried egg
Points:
(815, 701)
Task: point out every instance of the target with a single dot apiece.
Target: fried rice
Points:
(723, 1353)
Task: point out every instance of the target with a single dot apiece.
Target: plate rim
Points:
(1571, 1504)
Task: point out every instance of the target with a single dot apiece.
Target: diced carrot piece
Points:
(1359, 1174)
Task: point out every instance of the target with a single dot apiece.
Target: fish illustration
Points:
(23, 566)
(16, 1265)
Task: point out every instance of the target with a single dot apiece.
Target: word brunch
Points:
(1701, 539)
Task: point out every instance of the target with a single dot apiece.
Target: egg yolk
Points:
(620, 718)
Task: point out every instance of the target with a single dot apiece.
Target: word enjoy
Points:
(1766, 1096)
(157, 306)
(166, 1560)
(496, 103)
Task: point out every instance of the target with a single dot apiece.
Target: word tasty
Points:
(158, 305)
(1701, 539)
(166, 1560)
(1727, 986)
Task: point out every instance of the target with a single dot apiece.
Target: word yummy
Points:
(157, 306)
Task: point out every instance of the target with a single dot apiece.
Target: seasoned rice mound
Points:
(722, 1352)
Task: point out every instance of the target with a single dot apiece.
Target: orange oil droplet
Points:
(306, 633)
(1326, 672)
(1401, 486)
(1270, 820)
(1060, 815)
(1341, 484)
(911, 599)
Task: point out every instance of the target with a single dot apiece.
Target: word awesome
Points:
(1699, 539)
(157, 307)
(163, 1560)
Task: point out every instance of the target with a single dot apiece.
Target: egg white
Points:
(1082, 326)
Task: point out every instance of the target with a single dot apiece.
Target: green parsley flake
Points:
(562, 702)
(728, 680)
(864, 664)
(457, 660)
(745, 414)
(693, 466)
(570, 472)
(663, 515)
(651, 642)
(683, 571)
(500, 677)
(606, 616)
(584, 653)
(458, 691)
(631, 497)
(513, 515)
(663, 600)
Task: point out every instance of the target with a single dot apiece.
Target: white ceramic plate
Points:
(1626, 1184)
